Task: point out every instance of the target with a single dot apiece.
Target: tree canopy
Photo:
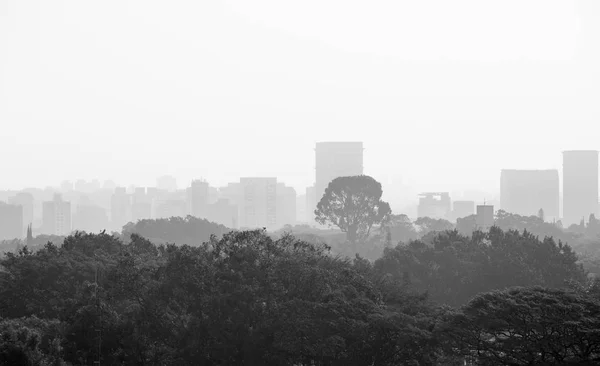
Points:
(354, 205)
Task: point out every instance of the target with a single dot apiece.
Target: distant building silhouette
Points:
(90, 218)
(259, 203)
(120, 208)
(436, 205)
(310, 205)
(141, 205)
(580, 185)
(525, 192)
(485, 217)
(11, 221)
(301, 208)
(167, 183)
(223, 212)
(199, 198)
(25, 200)
(56, 216)
(333, 160)
(461, 209)
(286, 205)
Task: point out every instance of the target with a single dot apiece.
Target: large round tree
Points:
(354, 205)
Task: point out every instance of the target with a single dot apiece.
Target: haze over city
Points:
(310, 183)
(442, 95)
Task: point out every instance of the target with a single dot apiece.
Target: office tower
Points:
(301, 208)
(90, 218)
(525, 192)
(141, 205)
(286, 205)
(166, 183)
(223, 212)
(461, 209)
(310, 205)
(120, 208)
(171, 207)
(333, 160)
(485, 217)
(580, 185)
(435, 205)
(56, 216)
(25, 200)
(199, 198)
(259, 203)
(11, 221)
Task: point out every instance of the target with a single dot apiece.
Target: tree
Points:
(354, 205)
(29, 241)
(529, 326)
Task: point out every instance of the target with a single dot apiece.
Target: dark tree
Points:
(354, 205)
(529, 326)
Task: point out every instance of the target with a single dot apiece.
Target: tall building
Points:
(120, 208)
(25, 200)
(141, 205)
(259, 203)
(434, 205)
(167, 183)
(90, 218)
(286, 205)
(580, 185)
(485, 217)
(11, 221)
(199, 198)
(333, 160)
(525, 192)
(223, 212)
(461, 209)
(310, 205)
(56, 216)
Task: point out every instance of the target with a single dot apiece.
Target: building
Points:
(90, 218)
(199, 193)
(56, 216)
(11, 221)
(334, 160)
(25, 200)
(525, 192)
(141, 205)
(301, 208)
(171, 207)
(259, 203)
(435, 205)
(120, 208)
(286, 205)
(223, 212)
(462, 209)
(166, 183)
(580, 185)
(310, 205)
(485, 217)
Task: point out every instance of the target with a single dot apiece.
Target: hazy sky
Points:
(443, 93)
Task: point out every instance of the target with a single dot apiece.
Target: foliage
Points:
(354, 205)
(528, 326)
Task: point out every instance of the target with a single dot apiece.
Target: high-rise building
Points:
(286, 205)
(461, 209)
(301, 208)
(167, 183)
(25, 200)
(333, 160)
(56, 216)
(90, 218)
(11, 221)
(525, 192)
(223, 212)
(485, 217)
(580, 185)
(199, 198)
(259, 203)
(310, 205)
(141, 205)
(434, 205)
(120, 208)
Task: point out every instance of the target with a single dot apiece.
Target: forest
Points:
(381, 290)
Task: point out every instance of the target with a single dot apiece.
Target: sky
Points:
(444, 94)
